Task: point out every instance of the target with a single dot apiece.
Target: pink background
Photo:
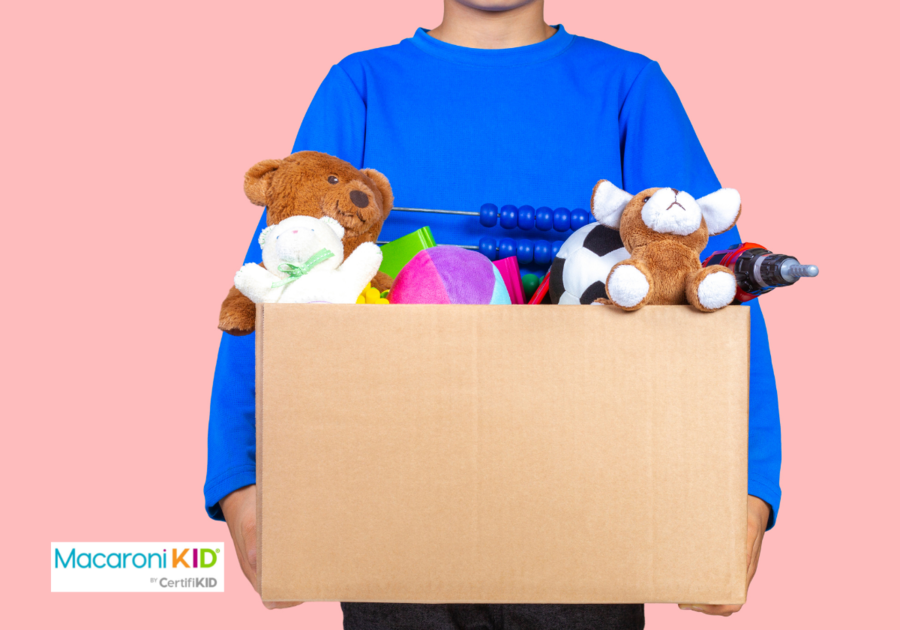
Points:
(126, 132)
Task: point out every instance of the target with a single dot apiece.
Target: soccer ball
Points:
(579, 271)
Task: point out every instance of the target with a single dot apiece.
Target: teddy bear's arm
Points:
(256, 283)
(237, 316)
(363, 262)
(360, 267)
(382, 282)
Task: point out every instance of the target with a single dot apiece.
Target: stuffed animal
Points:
(449, 275)
(664, 231)
(303, 258)
(313, 184)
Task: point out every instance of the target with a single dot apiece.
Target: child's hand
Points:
(239, 509)
(757, 519)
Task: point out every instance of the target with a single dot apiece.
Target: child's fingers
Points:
(240, 514)
(238, 535)
(248, 536)
(720, 611)
(277, 605)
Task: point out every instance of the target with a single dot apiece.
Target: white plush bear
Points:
(303, 257)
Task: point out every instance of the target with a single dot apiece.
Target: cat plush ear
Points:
(266, 232)
(334, 225)
(608, 203)
(720, 209)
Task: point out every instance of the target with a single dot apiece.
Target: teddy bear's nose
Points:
(359, 198)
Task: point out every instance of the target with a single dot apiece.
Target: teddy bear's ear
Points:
(608, 203)
(384, 187)
(264, 234)
(334, 225)
(720, 210)
(258, 179)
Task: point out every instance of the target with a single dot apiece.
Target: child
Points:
(493, 105)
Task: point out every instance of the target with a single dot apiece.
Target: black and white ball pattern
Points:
(579, 271)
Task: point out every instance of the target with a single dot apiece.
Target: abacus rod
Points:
(468, 214)
(462, 246)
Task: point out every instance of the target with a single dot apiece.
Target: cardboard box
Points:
(551, 454)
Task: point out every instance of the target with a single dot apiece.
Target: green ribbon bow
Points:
(296, 271)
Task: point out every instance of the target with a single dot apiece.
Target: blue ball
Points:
(580, 218)
(556, 246)
(560, 219)
(509, 216)
(526, 217)
(543, 218)
(542, 253)
(488, 247)
(507, 248)
(524, 251)
(488, 215)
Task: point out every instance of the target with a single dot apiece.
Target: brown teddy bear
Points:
(309, 183)
(664, 231)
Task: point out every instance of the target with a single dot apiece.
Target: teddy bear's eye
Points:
(332, 179)
(646, 199)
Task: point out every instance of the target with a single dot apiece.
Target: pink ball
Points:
(449, 275)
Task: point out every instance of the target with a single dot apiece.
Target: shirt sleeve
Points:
(335, 123)
(659, 148)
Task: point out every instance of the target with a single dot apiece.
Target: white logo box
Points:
(139, 567)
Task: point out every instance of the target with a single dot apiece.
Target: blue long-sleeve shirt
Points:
(454, 128)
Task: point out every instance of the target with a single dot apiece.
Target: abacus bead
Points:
(488, 247)
(488, 216)
(556, 246)
(509, 215)
(542, 252)
(507, 248)
(560, 219)
(524, 251)
(530, 284)
(543, 218)
(526, 217)
(580, 218)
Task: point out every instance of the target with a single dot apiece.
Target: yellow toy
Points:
(370, 295)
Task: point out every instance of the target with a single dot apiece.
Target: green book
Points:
(398, 253)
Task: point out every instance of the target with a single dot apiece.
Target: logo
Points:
(136, 567)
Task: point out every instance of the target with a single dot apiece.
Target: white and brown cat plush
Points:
(664, 231)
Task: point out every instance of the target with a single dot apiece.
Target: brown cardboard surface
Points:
(552, 454)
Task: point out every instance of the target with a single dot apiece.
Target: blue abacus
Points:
(541, 252)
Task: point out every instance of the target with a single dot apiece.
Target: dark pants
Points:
(489, 617)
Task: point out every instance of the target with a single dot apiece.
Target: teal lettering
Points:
(100, 566)
(143, 561)
(84, 555)
(158, 560)
(125, 560)
(65, 561)
(109, 559)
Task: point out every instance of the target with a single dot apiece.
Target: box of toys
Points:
(435, 426)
